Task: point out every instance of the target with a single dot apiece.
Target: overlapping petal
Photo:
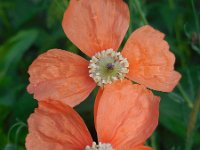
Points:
(60, 75)
(151, 62)
(96, 25)
(56, 126)
(127, 114)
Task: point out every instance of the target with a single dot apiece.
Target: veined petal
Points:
(150, 61)
(96, 25)
(142, 148)
(60, 75)
(56, 126)
(127, 114)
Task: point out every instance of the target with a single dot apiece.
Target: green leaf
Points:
(4, 110)
(12, 51)
(10, 147)
(174, 110)
(24, 104)
(23, 11)
(3, 138)
(56, 11)
(196, 48)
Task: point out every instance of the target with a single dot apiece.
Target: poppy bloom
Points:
(97, 28)
(125, 115)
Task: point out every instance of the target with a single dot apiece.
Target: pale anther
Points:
(100, 146)
(107, 66)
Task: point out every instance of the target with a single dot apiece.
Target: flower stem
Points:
(186, 98)
(141, 13)
(192, 122)
(131, 8)
(153, 141)
(196, 20)
(10, 130)
(19, 125)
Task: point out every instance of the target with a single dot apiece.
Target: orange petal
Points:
(150, 61)
(142, 148)
(127, 114)
(96, 25)
(60, 75)
(56, 126)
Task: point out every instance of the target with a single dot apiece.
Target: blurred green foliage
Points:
(31, 27)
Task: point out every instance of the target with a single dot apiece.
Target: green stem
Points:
(141, 13)
(171, 4)
(10, 130)
(196, 20)
(131, 23)
(17, 134)
(192, 122)
(186, 98)
(20, 124)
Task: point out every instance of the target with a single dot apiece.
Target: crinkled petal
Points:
(60, 75)
(150, 61)
(127, 114)
(56, 126)
(96, 25)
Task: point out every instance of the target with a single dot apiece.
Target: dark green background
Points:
(31, 27)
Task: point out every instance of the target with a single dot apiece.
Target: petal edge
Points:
(150, 61)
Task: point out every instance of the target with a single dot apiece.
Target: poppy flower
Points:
(97, 28)
(125, 116)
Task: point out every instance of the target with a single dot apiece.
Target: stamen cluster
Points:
(107, 66)
(100, 146)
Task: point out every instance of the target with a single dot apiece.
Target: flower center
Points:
(110, 66)
(100, 146)
(107, 66)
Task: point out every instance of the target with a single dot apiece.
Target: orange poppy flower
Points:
(125, 116)
(97, 29)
